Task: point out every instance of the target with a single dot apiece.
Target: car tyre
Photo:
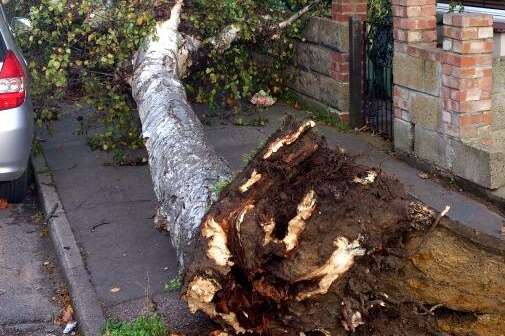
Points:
(15, 191)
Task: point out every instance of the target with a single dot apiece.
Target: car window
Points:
(8, 9)
(3, 17)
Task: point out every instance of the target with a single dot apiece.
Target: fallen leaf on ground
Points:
(3, 203)
(115, 290)
(424, 176)
(68, 314)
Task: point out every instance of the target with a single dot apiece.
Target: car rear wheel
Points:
(15, 191)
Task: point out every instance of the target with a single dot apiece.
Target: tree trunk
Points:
(183, 165)
(184, 168)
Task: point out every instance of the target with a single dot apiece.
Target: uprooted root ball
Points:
(305, 242)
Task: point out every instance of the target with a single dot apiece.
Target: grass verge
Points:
(151, 325)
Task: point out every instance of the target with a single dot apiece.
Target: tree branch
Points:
(232, 32)
(298, 14)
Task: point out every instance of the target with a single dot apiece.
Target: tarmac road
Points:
(29, 276)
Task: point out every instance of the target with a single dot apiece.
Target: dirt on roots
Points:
(305, 241)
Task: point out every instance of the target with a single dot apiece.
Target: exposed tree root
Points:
(300, 243)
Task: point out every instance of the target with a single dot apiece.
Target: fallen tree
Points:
(303, 241)
(184, 168)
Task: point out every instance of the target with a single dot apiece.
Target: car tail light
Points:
(12, 82)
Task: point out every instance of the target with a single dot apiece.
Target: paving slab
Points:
(136, 260)
(110, 209)
(29, 329)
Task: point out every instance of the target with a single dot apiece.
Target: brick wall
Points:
(445, 104)
(321, 69)
(322, 59)
(415, 21)
(449, 102)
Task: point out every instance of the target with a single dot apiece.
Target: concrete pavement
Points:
(110, 209)
(29, 274)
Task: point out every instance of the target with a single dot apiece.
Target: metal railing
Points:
(378, 78)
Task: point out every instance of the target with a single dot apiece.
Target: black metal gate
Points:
(378, 78)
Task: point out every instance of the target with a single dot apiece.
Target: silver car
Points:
(16, 116)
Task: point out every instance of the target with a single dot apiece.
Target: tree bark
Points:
(184, 168)
(183, 165)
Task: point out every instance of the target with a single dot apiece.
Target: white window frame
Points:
(498, 14)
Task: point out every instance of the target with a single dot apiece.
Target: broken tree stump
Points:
(307, 242)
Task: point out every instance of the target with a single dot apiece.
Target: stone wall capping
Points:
(468, 20)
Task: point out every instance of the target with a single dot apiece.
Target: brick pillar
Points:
(342, 11)
(415, 21)
(414, 24)
(467, 76)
